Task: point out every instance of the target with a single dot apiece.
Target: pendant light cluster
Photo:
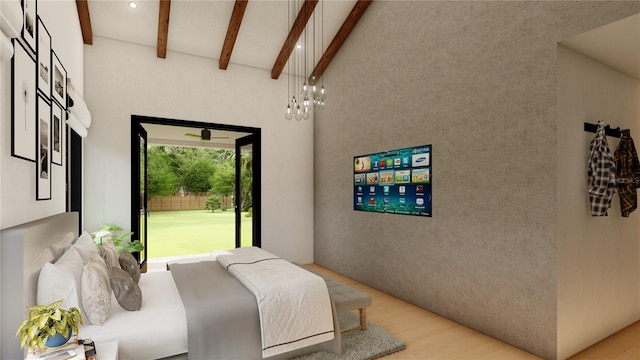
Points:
(305, 97)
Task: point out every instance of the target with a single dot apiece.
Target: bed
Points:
(161, 328)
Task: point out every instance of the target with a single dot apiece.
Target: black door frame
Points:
(254, 141)
(139, 120)
(137, 209)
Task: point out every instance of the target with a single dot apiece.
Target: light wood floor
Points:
(430, 336)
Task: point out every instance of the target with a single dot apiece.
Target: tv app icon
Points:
(419, 188)
(401, 189)
(359, 199)
(372, 189)
(419, 201)
(372, 201)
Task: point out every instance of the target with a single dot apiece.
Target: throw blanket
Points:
(294, 304)
(222, 315)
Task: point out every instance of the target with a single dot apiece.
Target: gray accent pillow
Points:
(126, 290)
(129, 264)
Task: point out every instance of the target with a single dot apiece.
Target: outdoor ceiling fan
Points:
(205, 134)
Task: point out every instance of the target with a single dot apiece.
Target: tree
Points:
(194, 168)
(161, 179)
(246, 182)
(223, 180)
(213, 202)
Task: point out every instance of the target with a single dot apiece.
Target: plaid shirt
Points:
(601, 175)
(627, 174)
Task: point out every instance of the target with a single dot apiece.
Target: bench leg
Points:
(363, 321)
(363, 318)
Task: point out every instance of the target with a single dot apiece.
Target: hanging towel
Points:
(601, 174)
(627, 173)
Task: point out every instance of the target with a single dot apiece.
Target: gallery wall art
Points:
(38, 99)
(23, 96)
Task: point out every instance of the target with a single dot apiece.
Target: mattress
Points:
(158, 330)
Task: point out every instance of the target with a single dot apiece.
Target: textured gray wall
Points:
(478, 81)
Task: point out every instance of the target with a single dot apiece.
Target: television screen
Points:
(394, 182)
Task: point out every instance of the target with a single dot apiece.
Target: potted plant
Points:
(48, 321)
(113, 232)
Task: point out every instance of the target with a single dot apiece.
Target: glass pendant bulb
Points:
(306, 115)
(323, 93)
(288, 115)
(298, 114)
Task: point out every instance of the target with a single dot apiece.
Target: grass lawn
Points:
(174, 233)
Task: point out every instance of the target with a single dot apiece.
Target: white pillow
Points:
(96, 290)
(61, 281)
(85, 246)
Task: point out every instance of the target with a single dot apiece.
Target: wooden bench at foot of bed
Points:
(347, 299)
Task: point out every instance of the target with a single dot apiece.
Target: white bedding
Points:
(158, 330)
(294, 305)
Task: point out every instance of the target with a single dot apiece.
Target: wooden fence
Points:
(177, 203)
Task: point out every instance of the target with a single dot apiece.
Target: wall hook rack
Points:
(589, 127)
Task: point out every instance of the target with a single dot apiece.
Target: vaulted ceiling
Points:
(256, 33)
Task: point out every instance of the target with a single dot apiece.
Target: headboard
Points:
(24, 250)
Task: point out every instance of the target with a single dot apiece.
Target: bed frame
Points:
(24, 249)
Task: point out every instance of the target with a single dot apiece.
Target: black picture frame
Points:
(43, 165)
(43, 55)
(59, 81)
(29, 23)
(57, 133)
(23, 103)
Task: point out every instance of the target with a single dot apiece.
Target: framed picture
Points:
(59, 84)
(43, 168)
(44, 60)
(29, 16)
(23, 103)
(57, 131)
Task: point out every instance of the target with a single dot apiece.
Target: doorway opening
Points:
(195, 188)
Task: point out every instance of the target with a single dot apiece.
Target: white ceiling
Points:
(200, 27)
(176, 135)
(616, 45)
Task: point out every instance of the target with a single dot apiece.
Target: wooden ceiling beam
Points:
(298, 26)
(232, 33)
(163, 28)
(348, 25)
(85, 21)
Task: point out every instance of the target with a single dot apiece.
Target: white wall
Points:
(124, 79)
(598, 257)
(17, 176)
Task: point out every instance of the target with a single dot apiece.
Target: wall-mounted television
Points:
(394, 182)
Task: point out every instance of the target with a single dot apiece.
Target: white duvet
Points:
(158, 330)
(294, 305)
